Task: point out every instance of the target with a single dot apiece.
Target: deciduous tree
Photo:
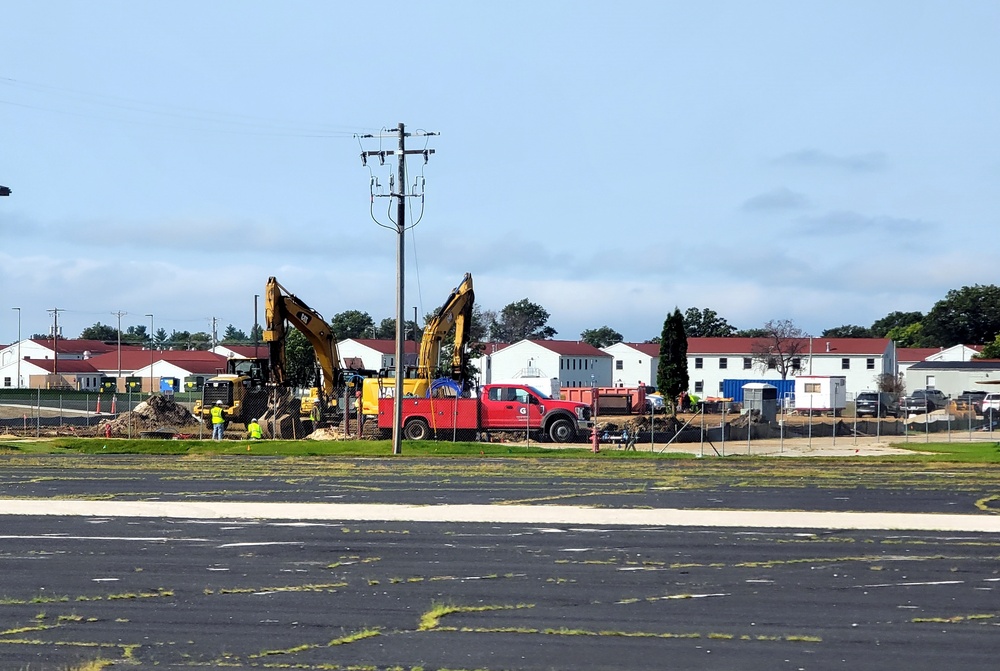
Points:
(352, 324)
(601, 337)
(522, 320)
(706, 323)
(99, 332)
(781, 347)
(881, 327)
(847, 331)
(969, 315)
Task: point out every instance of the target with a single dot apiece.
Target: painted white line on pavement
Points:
(499, 514)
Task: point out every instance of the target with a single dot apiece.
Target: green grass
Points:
(972, 453)
(341, 448)
(958, 452)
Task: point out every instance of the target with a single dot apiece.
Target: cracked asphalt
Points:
(248, 591)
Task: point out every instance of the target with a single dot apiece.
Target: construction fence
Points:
(47, 412)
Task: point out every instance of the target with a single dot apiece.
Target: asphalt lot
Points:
(339, 594)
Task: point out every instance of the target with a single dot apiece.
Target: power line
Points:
(400, 195)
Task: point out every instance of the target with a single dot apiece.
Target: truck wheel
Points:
(416, 429)
(562, 431)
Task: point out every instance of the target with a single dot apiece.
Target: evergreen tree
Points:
(672, 371)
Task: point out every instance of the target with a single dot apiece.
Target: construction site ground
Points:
(801, 435)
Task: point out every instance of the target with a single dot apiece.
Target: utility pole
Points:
(214, 332)
(55, 342)
(119, 314)
(398, 192)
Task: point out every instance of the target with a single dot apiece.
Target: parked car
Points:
(655, 402)
(924, 400)
(974, 399)
(876, 404)
(991, 405)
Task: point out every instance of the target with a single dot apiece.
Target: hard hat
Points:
(253, 421)
(218, 402)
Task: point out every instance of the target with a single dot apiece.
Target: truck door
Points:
(512, 408)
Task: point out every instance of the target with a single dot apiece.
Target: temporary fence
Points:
(37, 412)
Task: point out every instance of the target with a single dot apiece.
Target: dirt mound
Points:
(153, 414)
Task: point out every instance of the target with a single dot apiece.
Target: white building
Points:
(574, 364)
(57, 351)
(634, 363)
(371, 354)
(711, 360)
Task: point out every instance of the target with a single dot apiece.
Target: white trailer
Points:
(820, 394)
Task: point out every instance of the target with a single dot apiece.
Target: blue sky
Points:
(824, 162)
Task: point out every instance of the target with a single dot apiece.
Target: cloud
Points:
(843, 222)
(815, 158)
(775, 200)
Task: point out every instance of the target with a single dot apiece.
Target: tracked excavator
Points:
(282, 307)
(455, 313)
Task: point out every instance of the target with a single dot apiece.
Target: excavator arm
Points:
(456, 312)
(281, 306)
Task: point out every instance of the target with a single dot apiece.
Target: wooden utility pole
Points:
(399, 193)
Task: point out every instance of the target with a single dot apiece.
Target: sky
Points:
(822, 162)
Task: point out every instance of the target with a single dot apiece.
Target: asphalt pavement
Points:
(207, 585)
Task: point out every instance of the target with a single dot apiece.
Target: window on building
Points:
(796, 363)
(811, 387)
(747, 363)
(585, 362)
(561, 362)
(723, 362)
(845, 363)
(619, 364)
(870, 364)
(699, 387)
(772, 363)
(720, 386)
(6, 382)
(698, 362)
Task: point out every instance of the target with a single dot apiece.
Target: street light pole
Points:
(18, 385)
(150, 354)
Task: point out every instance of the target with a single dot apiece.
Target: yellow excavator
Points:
(282, 307)
(456, 313)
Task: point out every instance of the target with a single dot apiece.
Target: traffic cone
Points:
(114, 405)
(97, 411)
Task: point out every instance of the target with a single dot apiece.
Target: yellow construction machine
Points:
(456, 313)
(282, 307)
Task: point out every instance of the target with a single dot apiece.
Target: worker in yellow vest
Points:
(218, 421)
(254, 430)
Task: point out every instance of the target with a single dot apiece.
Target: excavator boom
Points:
(456, 312)
(280, 305)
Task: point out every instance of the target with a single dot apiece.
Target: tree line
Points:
(970, 315)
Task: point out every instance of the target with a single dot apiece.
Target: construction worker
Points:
(315, 414)
(218, 421)
(254, 430)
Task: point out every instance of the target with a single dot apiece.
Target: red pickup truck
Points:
(498, 407)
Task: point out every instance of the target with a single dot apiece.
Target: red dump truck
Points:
(497, 407)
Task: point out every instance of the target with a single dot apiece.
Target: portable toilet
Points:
(761, 397)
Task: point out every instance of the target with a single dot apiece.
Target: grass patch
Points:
(986, 452)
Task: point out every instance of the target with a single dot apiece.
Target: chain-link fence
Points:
(281, 413)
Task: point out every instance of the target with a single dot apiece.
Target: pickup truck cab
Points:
(924, 400)
(498, 407)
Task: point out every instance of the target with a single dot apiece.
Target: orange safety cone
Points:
(114, 405)
(97, 411)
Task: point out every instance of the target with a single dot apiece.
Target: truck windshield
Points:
(540, 393)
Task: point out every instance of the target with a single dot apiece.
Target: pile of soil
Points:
(154, 414)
